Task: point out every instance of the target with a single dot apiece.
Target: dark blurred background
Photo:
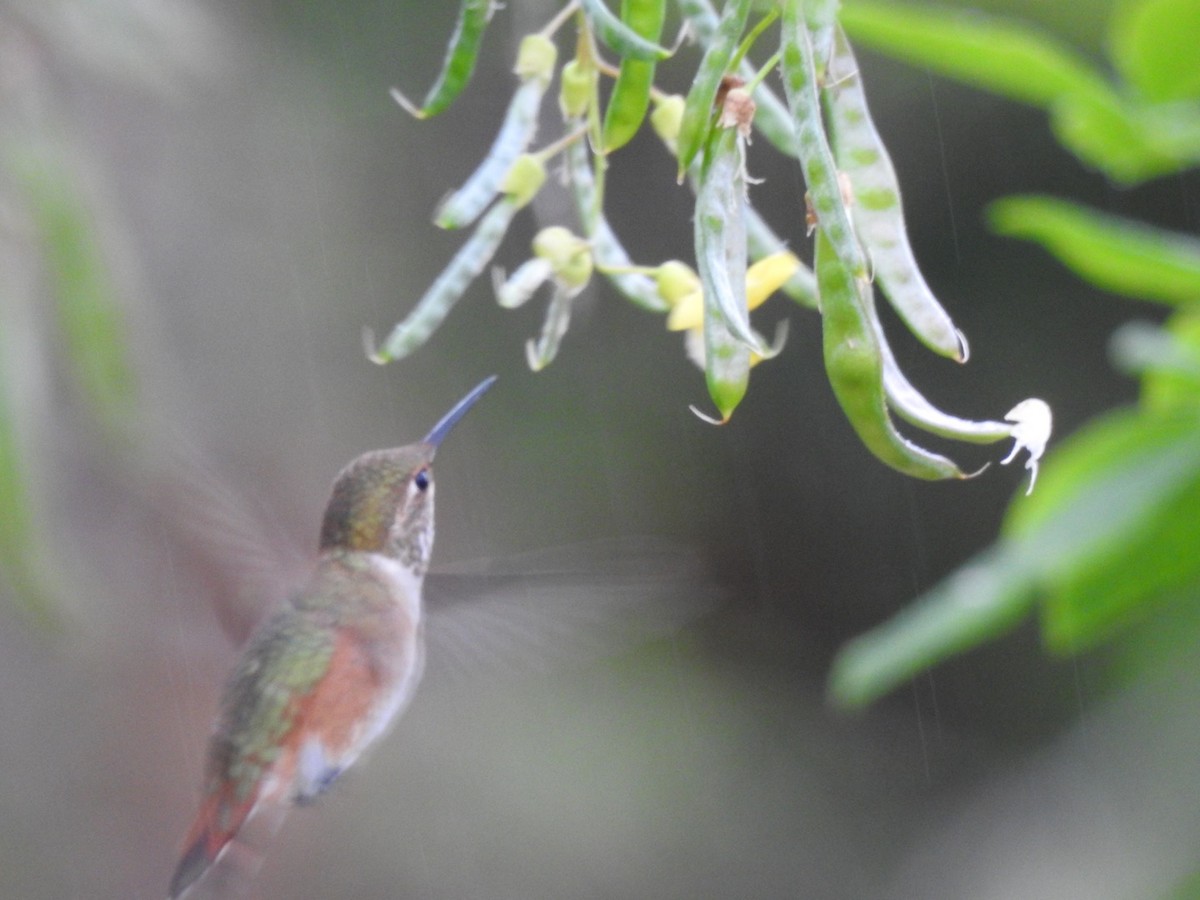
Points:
(261, 199)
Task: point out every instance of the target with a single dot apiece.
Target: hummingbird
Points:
(325, 677)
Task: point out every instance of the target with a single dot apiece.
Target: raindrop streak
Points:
(937, 124)
(921, 734)
(919, 570)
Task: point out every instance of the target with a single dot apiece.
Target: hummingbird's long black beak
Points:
(442, 428)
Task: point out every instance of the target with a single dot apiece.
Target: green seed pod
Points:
(698, 109)
(473, 17)
(854, 364)
(618, 36)
(877, 213)
(439, 298)
(631, 94)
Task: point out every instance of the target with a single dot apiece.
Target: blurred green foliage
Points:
(64, 312)
(1111, 533)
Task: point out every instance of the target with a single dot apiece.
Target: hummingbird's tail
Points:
(214, 837)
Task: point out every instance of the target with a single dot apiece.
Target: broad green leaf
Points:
(1125, 473)
(1128, 144)
(1154, 560)
(991, 53)
(1102, 532)
(1115, 254)
(1126, 141)
(1153, 44)
(1115, 446)
(982, 600)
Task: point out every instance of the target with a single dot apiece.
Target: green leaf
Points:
(21, 564)
(1129, 144)
(991, 53)
(1171, 379)
(1112, 524)
(1155, 558)
(1064, 543)
(1127, 141)
(1113, 253)
(90, 318)
(1153, 44)
(983, 599)
(1122, 452)
(1166, 358)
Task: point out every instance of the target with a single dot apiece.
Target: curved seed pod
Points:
(623, 39)
(800, 69)
(772, 119)
(877, 212)
(473, 17)
(535, 65)
(541, 353)
(854, 364)
(522, 284)
(912, 406)
(721, 264)
(440, 297)
(630, 96)
(726, 365)
(721, 236)
(609, 256)
(698, 108)
(821, 18)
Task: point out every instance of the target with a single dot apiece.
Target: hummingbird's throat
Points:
(411, 538)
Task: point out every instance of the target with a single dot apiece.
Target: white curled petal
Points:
(1031, 431)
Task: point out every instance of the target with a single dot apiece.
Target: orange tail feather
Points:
(216, 825)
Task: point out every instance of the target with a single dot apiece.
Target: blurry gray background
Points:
(262, 199)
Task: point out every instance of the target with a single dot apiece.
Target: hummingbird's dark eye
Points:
(421, 479)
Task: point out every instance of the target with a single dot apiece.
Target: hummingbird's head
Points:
(383, 501)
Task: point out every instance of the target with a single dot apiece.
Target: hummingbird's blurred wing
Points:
(247, 563)
(536, 611)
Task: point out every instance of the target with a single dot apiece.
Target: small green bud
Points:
(524, 178)
(676, 280)
(667, 118)
(568, 254)
(536, 57)
(576, 88)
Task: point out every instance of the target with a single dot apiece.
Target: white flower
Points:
(1030, 431)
